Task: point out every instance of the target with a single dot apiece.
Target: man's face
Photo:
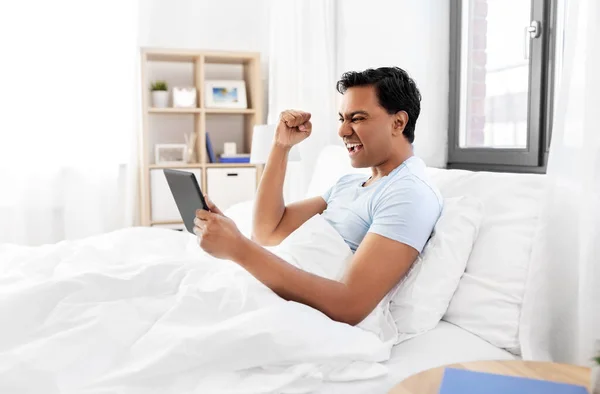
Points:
(365, 127)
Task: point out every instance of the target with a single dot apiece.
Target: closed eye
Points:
(353, 120)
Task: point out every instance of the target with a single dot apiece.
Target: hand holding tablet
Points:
(187, 194)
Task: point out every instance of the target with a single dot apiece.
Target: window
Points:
(501, 84)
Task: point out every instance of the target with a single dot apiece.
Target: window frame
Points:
(540, 98)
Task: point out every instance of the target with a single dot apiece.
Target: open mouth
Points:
(354, 148)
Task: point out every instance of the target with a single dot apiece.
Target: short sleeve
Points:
(406, 212)
(327, 194)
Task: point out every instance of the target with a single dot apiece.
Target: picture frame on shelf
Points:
(184, 97)
(170, 154)
(225, 94)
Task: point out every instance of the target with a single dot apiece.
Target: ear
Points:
(400, 121)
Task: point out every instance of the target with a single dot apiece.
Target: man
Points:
(386, 219)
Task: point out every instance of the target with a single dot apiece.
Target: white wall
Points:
(409, 34)
(229, 25)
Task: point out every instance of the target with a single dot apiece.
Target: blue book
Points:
(209, 150)
(461, 381)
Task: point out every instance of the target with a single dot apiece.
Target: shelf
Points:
(229, 165)
(168, 222)
(174, 110)
(198, 165)
(230, 57)
(166, 55)
(241, 111)
(176, 165)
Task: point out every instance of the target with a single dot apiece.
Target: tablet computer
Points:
(187, 195)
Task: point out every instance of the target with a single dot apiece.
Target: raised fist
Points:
(293, 127)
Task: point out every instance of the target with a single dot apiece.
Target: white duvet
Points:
(146, 311)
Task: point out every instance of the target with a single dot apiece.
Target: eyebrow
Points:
(351, 114)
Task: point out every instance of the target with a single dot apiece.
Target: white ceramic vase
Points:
(595, 379)
(160, 99)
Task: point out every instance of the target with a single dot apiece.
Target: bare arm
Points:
(379, 263)
(273, 220)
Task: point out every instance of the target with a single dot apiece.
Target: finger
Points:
(289, 118)
(296, 114)
(211, 205)
(286, 116)
(198, 230)
(202, 214)
(305, 116)
(206, 216)
(306, 127)
(300, 117)
(199, 222)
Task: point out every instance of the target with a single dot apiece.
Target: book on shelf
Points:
(209, 150)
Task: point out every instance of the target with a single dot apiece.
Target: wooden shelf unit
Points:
(250, 61)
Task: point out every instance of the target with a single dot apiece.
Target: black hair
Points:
(395, 90)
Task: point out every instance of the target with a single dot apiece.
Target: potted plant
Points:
(160, 94)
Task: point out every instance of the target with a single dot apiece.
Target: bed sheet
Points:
(446, 344)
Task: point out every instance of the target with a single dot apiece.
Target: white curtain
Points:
(566, 306)
(69, 118)
(302, 76)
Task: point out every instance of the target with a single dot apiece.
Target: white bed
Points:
(63, 300)
(445, 344)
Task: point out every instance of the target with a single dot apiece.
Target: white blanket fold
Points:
(146, 311)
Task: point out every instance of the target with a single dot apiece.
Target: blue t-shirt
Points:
(403, 206)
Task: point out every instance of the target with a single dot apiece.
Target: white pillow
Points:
(493, 291)
(316, 247)
(418, 303)
(242, 214)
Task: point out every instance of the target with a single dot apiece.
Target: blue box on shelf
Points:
(240, 158)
